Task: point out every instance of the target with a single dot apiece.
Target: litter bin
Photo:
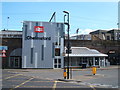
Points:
(94, 70)
(65, 73)
(83, 65)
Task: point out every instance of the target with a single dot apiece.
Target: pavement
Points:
(101, 68)
(82, 77)
(58, 73)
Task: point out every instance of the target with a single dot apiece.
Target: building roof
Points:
(104, 31)
(85, 52)
(98, 31)
(10, 32)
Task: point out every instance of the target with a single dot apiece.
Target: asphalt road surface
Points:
(12, 80)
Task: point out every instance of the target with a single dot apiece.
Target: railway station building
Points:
(43, 47)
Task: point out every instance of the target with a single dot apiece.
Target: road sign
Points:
(3, 51)
(3, 55)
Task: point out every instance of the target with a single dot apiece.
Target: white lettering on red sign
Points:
(39, 29)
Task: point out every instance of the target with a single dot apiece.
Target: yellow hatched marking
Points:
(92, 87)
(38, 86)
(54, 86)
(23, 83)
(51, 86)
(30, 81)
(13, 76)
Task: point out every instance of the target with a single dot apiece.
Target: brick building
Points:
(113, 34)
(13, 41)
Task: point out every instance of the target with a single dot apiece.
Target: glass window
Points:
(53, 48)
(55, 61)
(59, 66)
(55, 66)
(16, 63)
(108, 38)
(42, 56)
(25, 31)
(59, 60)
(31, 55)
(57, 51)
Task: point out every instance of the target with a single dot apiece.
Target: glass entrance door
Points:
(57, 63)
(15, 62)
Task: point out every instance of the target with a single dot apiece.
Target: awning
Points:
(85, 52)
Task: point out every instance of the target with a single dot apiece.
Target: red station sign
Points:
(39, 29)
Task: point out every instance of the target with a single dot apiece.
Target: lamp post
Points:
(8, 22)
(68, 44)
(64, 18)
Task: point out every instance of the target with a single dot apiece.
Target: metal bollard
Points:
(65, 73)
(94, 70)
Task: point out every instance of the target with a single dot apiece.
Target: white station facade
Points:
(43, 45)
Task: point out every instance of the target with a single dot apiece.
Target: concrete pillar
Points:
(87, 61)
(93, 61)
(99, 62)
(104, 62)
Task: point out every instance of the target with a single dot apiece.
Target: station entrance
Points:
(15, 59)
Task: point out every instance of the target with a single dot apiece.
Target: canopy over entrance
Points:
(85, 52)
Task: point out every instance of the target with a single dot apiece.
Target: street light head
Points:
(65, 15)
(66, 12)
(66, 23)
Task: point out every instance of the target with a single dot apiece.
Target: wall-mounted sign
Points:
(3, 47)
(39, 29)
(37, 38)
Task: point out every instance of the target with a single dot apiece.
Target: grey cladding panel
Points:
(44, 49)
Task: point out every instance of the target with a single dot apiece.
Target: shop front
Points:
(85, 57)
